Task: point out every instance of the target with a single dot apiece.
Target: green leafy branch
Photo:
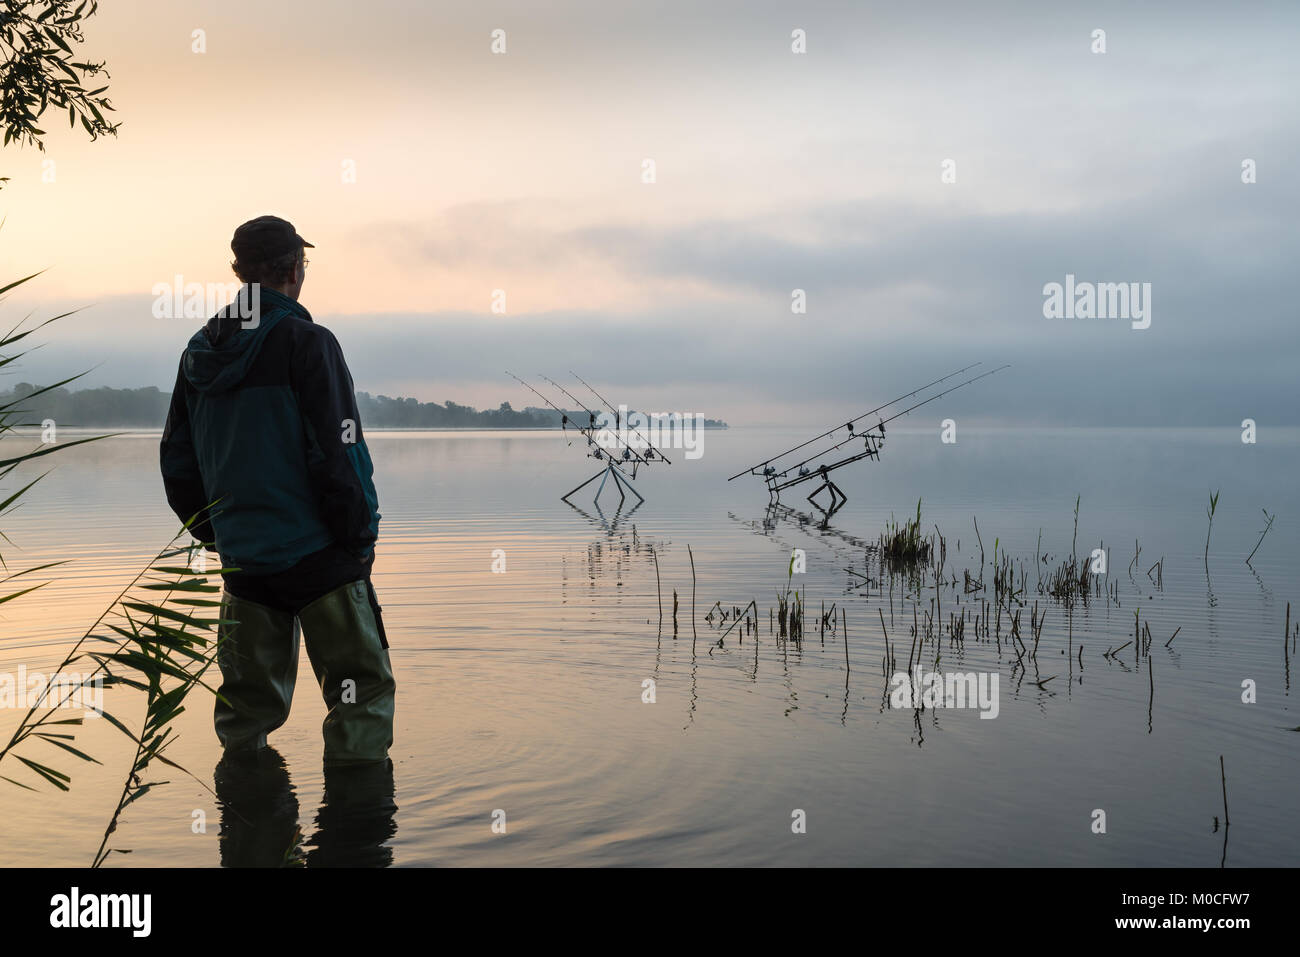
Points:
(39, 70)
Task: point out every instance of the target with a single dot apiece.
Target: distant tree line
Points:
(147, 408)
(381, 412)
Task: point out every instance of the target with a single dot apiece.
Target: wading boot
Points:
(258, 657)
(344, 638)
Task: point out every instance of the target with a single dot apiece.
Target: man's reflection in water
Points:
(355, 817)
(259, 814)
(259, 810)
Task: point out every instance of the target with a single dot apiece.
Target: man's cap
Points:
(266, 239)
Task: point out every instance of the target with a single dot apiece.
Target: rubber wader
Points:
(258, 657)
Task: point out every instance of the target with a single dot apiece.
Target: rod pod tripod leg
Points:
(620, 483)
(838, 498)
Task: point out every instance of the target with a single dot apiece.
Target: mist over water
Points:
(522, 691)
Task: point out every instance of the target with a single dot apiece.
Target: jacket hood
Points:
(220, 354)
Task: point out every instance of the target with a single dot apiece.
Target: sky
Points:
(822, 171)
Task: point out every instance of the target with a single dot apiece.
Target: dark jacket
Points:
(264, 422)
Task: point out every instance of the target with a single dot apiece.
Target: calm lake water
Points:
(522, 692)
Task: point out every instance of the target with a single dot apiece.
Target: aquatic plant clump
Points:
(904, 545)
(1070, 582)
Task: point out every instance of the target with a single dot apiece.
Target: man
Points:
(263, 444)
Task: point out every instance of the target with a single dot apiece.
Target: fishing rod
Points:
(873, 438)
(564, 415)
(611, 408)
(612, 468)
(870, 434)
(899, 415)
(628, 450)
(831, 432)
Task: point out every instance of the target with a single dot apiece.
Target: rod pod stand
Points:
(838, 498)
(620, 483)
